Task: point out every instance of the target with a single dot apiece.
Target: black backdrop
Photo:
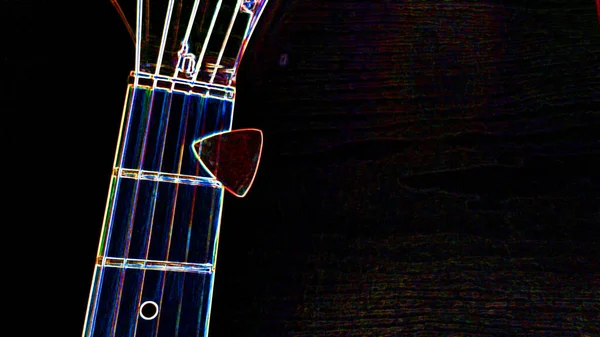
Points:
(428, 169)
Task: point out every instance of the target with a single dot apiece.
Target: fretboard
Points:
(159, 240)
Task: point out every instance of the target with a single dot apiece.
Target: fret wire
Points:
(145, 264)
(218, 61)
(206, 41)
(162, 177)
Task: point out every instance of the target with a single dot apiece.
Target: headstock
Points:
(192, 41)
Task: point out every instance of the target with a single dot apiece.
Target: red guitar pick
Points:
(231, 157)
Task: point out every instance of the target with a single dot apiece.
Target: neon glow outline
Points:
(218, 63)
(207, 39)
(143, 88)
(186, 39)
(186, 61)
(155, 308)
(212, 175)
(163, 41)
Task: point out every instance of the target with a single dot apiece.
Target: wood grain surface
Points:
(430, 169)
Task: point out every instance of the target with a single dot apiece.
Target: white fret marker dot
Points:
(149, 310)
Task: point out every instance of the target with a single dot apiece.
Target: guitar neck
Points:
(159, 241)
(156, 260)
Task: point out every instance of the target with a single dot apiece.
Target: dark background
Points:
(429, 169)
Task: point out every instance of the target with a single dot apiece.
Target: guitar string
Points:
(146, 109)
(166, 104)
(182, 131)
(176, 26)
(106, 250)
(214, 259)
(188, 31)
(206, 40)
(182, 147)
(199, 130)
(210, 229)
(152, 204)
(236, 10)
(116, 5)
(123, 134)
(162, 137)
(141, 163)
(138, 39)
(182, 289)
(185, 107)
(128, 242)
